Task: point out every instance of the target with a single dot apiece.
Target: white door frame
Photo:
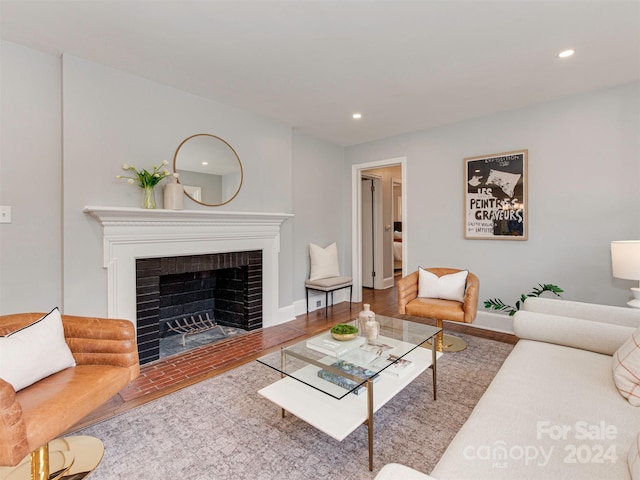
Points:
(356, 218)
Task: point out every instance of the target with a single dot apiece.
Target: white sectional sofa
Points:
(553, 410)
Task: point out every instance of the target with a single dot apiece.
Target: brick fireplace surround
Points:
(227, 285)
(130, 234)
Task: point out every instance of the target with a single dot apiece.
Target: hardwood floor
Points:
(166, 376)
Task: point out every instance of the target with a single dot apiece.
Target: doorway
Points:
(384, 231)
(396, 216)
(371, 198)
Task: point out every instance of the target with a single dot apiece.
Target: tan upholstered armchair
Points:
(106, 358)
(438, 309)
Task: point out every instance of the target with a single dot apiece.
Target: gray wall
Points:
(320, 203)
(51, 254)
(110, 117)
(584, 171)
(583, 181)
(30, 180)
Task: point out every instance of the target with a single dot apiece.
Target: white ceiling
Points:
(406, 65)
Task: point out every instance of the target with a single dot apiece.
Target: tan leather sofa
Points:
(106, 355)
(438, 309)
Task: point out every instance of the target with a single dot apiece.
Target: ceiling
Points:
(405, 65)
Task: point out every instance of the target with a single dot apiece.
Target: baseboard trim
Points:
(286, 314)
(493, 321)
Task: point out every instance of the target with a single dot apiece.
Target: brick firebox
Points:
(228, 284)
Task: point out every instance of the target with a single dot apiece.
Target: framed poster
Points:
(495, 196)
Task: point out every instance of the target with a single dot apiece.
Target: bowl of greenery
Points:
(343, 332)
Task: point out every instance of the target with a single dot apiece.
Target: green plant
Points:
(498, 304)
(343, 329)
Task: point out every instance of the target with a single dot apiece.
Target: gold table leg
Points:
(370, 421)
(282, 365)
(433, 367)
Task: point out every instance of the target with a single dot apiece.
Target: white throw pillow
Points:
(446, 287)
(634, 458)
(35, 352)
(324, 261)
(626, 369)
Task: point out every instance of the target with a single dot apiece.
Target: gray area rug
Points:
(223, 429)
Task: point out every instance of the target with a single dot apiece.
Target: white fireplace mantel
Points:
(122, 216)
(132, 233)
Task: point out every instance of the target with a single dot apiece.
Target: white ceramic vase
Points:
(372, 330)
(173, 195)
(363, 317)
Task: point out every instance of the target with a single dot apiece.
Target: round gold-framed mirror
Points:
(209, 169)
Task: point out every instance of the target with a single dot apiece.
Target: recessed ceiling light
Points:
(566, 53)
(205, 163)
(357, 116)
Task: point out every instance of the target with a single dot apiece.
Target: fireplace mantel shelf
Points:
(113, 216)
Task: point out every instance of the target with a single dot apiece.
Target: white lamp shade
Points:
(625, 259)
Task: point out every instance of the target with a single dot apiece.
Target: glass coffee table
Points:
(336, 386)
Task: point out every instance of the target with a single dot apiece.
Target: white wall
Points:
(30, 180)
(584, 171)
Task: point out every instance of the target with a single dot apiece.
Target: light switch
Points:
(5, 214)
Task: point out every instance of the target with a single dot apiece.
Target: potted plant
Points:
(498, 304)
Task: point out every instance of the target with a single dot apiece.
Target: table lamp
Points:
(625, 262)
